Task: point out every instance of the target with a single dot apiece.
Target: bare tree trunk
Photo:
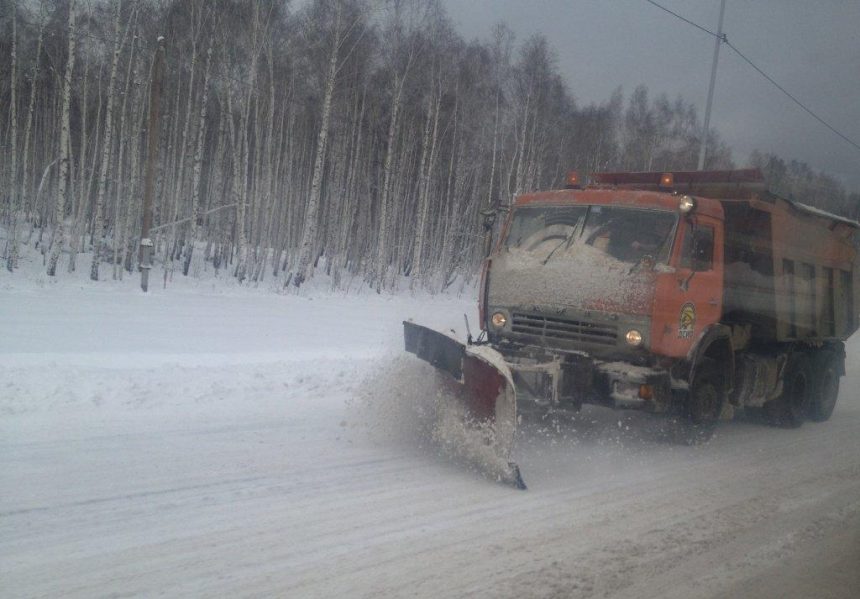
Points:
(267, 181)
(309, 234)
(381, 265)
(238, 193)
(118, 219)
(28, 127)
(521, 147)
(133, 167)
(58, 236)
(12, 186)
(424, 189)
(79, 207)
(152, 143)
(107, 145)
(198, 163)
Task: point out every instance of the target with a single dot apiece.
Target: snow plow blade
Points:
(480, 379)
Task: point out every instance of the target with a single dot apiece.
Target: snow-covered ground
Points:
(201, 441)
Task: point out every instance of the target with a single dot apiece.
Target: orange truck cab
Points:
(691, 293)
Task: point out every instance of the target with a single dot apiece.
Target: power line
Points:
(687, 21)
(725, 40)
(792, 98)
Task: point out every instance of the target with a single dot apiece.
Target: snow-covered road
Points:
(192, 443)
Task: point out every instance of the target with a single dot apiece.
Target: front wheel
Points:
(701, 406)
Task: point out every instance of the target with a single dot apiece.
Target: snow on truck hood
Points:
(583, 278)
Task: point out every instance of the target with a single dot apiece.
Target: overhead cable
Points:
(687, 21)
(792, 98)
(725, 40)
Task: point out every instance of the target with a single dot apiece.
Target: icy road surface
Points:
(190, 443)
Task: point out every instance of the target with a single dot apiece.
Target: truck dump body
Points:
(789, 270)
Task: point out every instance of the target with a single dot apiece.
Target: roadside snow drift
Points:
(200, 442)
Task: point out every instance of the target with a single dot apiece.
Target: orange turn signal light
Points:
(572, 179)
(646, 392)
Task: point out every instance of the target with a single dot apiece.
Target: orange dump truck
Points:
(686, 293)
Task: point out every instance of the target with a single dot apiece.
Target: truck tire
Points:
(791, 408)
(705, 402)
(825, 389)
(701, 406)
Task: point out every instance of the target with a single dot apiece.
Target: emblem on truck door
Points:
(686, 321)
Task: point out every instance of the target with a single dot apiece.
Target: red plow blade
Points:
(480, 379)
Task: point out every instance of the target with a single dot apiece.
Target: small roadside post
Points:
(156, 79)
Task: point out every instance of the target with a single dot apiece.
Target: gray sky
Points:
(810, 47)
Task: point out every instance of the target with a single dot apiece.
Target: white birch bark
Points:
(198, 162)
(107, 146)
(12, 189)
(238, 194)
(521, 147)
(58, 236)
(79, 205)
(267, 217)
(381, 265)
(137, 116)
(425, 174)
(309, 233)
(118, 218)
(28, 127)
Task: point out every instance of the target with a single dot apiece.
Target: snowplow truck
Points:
(691, 294)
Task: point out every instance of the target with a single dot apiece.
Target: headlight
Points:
(634, 337)
(499, 320)
(687, 204)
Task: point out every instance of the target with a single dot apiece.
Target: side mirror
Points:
(489, 221)
(489, 216)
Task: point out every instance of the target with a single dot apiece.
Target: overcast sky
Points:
(810, 47)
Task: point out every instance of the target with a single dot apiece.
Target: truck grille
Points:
(567, 330)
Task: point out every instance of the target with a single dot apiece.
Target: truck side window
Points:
(698, 251)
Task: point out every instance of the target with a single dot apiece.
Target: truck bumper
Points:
(571, 380)
(635, 387)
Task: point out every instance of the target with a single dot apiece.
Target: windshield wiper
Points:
(565, 241)
(647, 259)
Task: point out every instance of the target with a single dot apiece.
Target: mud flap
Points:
(480, 378)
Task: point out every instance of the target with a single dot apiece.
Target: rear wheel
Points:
(791, 408)
(826, 386)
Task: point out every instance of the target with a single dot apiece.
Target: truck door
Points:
(689, 299)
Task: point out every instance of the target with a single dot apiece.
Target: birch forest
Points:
(366, 140)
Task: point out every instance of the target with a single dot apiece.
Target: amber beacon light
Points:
(667, 180)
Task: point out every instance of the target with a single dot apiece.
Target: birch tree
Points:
(365, 137)
(309, 231)
(58, 236)
(402, 46)
(107, 146)
(12, 185)
(198, 161)
(31, 106)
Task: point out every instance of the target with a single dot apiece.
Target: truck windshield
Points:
(626, 234)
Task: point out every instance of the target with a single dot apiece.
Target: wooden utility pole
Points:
(156, 79)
